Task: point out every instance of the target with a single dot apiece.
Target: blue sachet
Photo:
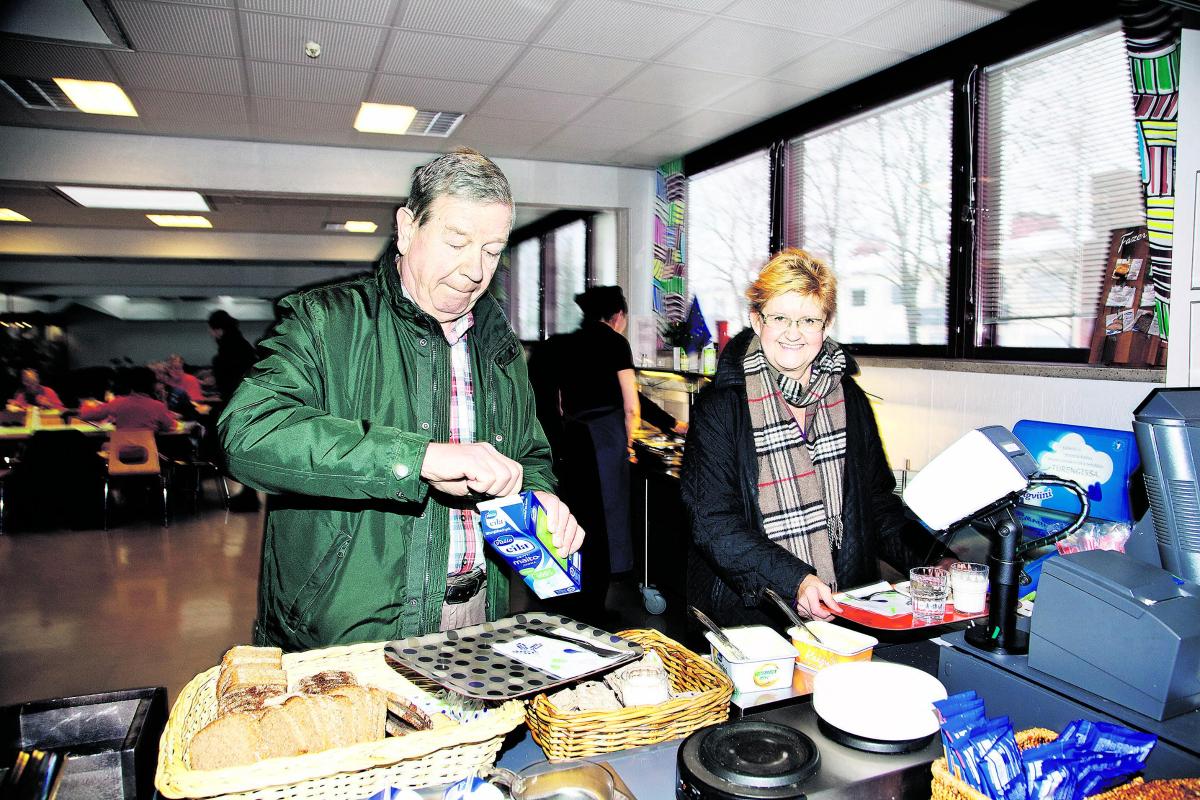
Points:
(1050, 778)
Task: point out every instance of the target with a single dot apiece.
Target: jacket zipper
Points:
(433, 363)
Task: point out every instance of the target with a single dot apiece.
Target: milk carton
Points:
(515, 527)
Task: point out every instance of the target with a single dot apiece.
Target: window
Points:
(871, 197)
(525, 288)
(728, 236)
(569, 276)
(966, 198)
(1059, 171)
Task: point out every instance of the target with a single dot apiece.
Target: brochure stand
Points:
(1126, 333)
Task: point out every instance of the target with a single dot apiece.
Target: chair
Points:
(190, 469)
(134, 454)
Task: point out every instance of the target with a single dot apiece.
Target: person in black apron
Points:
(588, 402)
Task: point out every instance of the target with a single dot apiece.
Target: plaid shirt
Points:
(466, 543)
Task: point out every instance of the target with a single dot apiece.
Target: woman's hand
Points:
(814, 598)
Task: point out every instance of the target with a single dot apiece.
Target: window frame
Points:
(543, 230)
(960, 62)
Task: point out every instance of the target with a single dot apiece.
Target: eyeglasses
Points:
(779, 323)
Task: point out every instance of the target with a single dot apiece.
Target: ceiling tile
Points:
(307, 83)
(185, 107)
(559, 71)
(194, 30)
(512, 103)
(435, 56)
(707, 6)
(200, 128)
(631, 115)
(765, 98)
(659, 148)
(432, 95)
(515, 20)
(220, 3)
(277, 113)
(372, 12)
(919, 25)
(827, 17)
(488, 132)
(282, 39)
(741, 48)
(173, 72)
(597, 139)
(838, 64)
(26, 59)
(711, 125)
(679, 86)
(618, 28)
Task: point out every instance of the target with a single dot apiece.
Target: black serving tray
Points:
(110, 740)
(463, 660)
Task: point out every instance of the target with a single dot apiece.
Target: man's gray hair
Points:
(463, 173)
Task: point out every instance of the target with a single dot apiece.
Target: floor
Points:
(89, 611)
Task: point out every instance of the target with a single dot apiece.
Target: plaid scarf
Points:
(800, 471)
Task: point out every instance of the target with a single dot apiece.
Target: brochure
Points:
(877, 598)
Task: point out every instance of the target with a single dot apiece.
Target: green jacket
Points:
(334, 422)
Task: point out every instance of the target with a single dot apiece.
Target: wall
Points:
(94, 341)
(1183, 360)
(922, 411)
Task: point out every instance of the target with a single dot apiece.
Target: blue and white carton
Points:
(517, 528)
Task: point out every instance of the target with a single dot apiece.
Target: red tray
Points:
(903, 622)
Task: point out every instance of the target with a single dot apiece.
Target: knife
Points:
(791, 614)
(725, 642)
(592, 647)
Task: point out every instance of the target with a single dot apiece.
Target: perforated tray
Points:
(464, 661)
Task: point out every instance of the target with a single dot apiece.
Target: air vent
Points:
(434, 123)
(40, 93)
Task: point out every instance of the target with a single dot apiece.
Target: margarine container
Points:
(516, 528)
(837, 645)
(771, 659)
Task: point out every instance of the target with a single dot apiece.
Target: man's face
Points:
(447, 263)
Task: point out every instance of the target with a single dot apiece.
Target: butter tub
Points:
(771, 659)
(838, 645)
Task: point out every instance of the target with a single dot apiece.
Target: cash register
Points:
(1112, 637)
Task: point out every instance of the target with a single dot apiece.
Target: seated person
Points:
(784, 473)
(178, 378)
(136, 409)
(33, 394)
(176, 398)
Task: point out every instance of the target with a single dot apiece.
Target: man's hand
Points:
(566, 536)
(477, 467)
(946, 562)
(812, 598)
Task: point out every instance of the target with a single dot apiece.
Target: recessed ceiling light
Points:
(360, 226)
(383, 118)
(97, 97)
(139, 199)
(8, 215)
(179, 221)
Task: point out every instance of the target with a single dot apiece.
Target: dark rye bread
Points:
(249, 698)
(322, 682)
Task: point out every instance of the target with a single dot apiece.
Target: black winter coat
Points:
(730, 559)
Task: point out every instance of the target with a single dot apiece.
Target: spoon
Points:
(795, 618)
(724, 641)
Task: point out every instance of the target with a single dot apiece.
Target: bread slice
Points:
(323, 682)
(287, 729)
(246, 654)
(229, 741)
(247, 698)
(240, 676)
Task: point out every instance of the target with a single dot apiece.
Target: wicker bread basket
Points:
(947, 787)
(419, 759)
(586, 733)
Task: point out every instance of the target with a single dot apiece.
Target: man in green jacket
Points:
(384, 407)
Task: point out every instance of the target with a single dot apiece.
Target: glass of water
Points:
(928, 588)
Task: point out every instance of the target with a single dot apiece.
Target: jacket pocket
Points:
(318, 582)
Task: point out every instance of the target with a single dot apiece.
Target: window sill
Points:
(1032, 369)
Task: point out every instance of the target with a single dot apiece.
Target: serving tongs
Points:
(791, 614)
(724, 641)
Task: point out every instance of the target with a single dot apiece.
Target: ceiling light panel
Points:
(137, 199)
(97, 97)
(384, 118)
(179, 221)
(360, 226)
(8, 215)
